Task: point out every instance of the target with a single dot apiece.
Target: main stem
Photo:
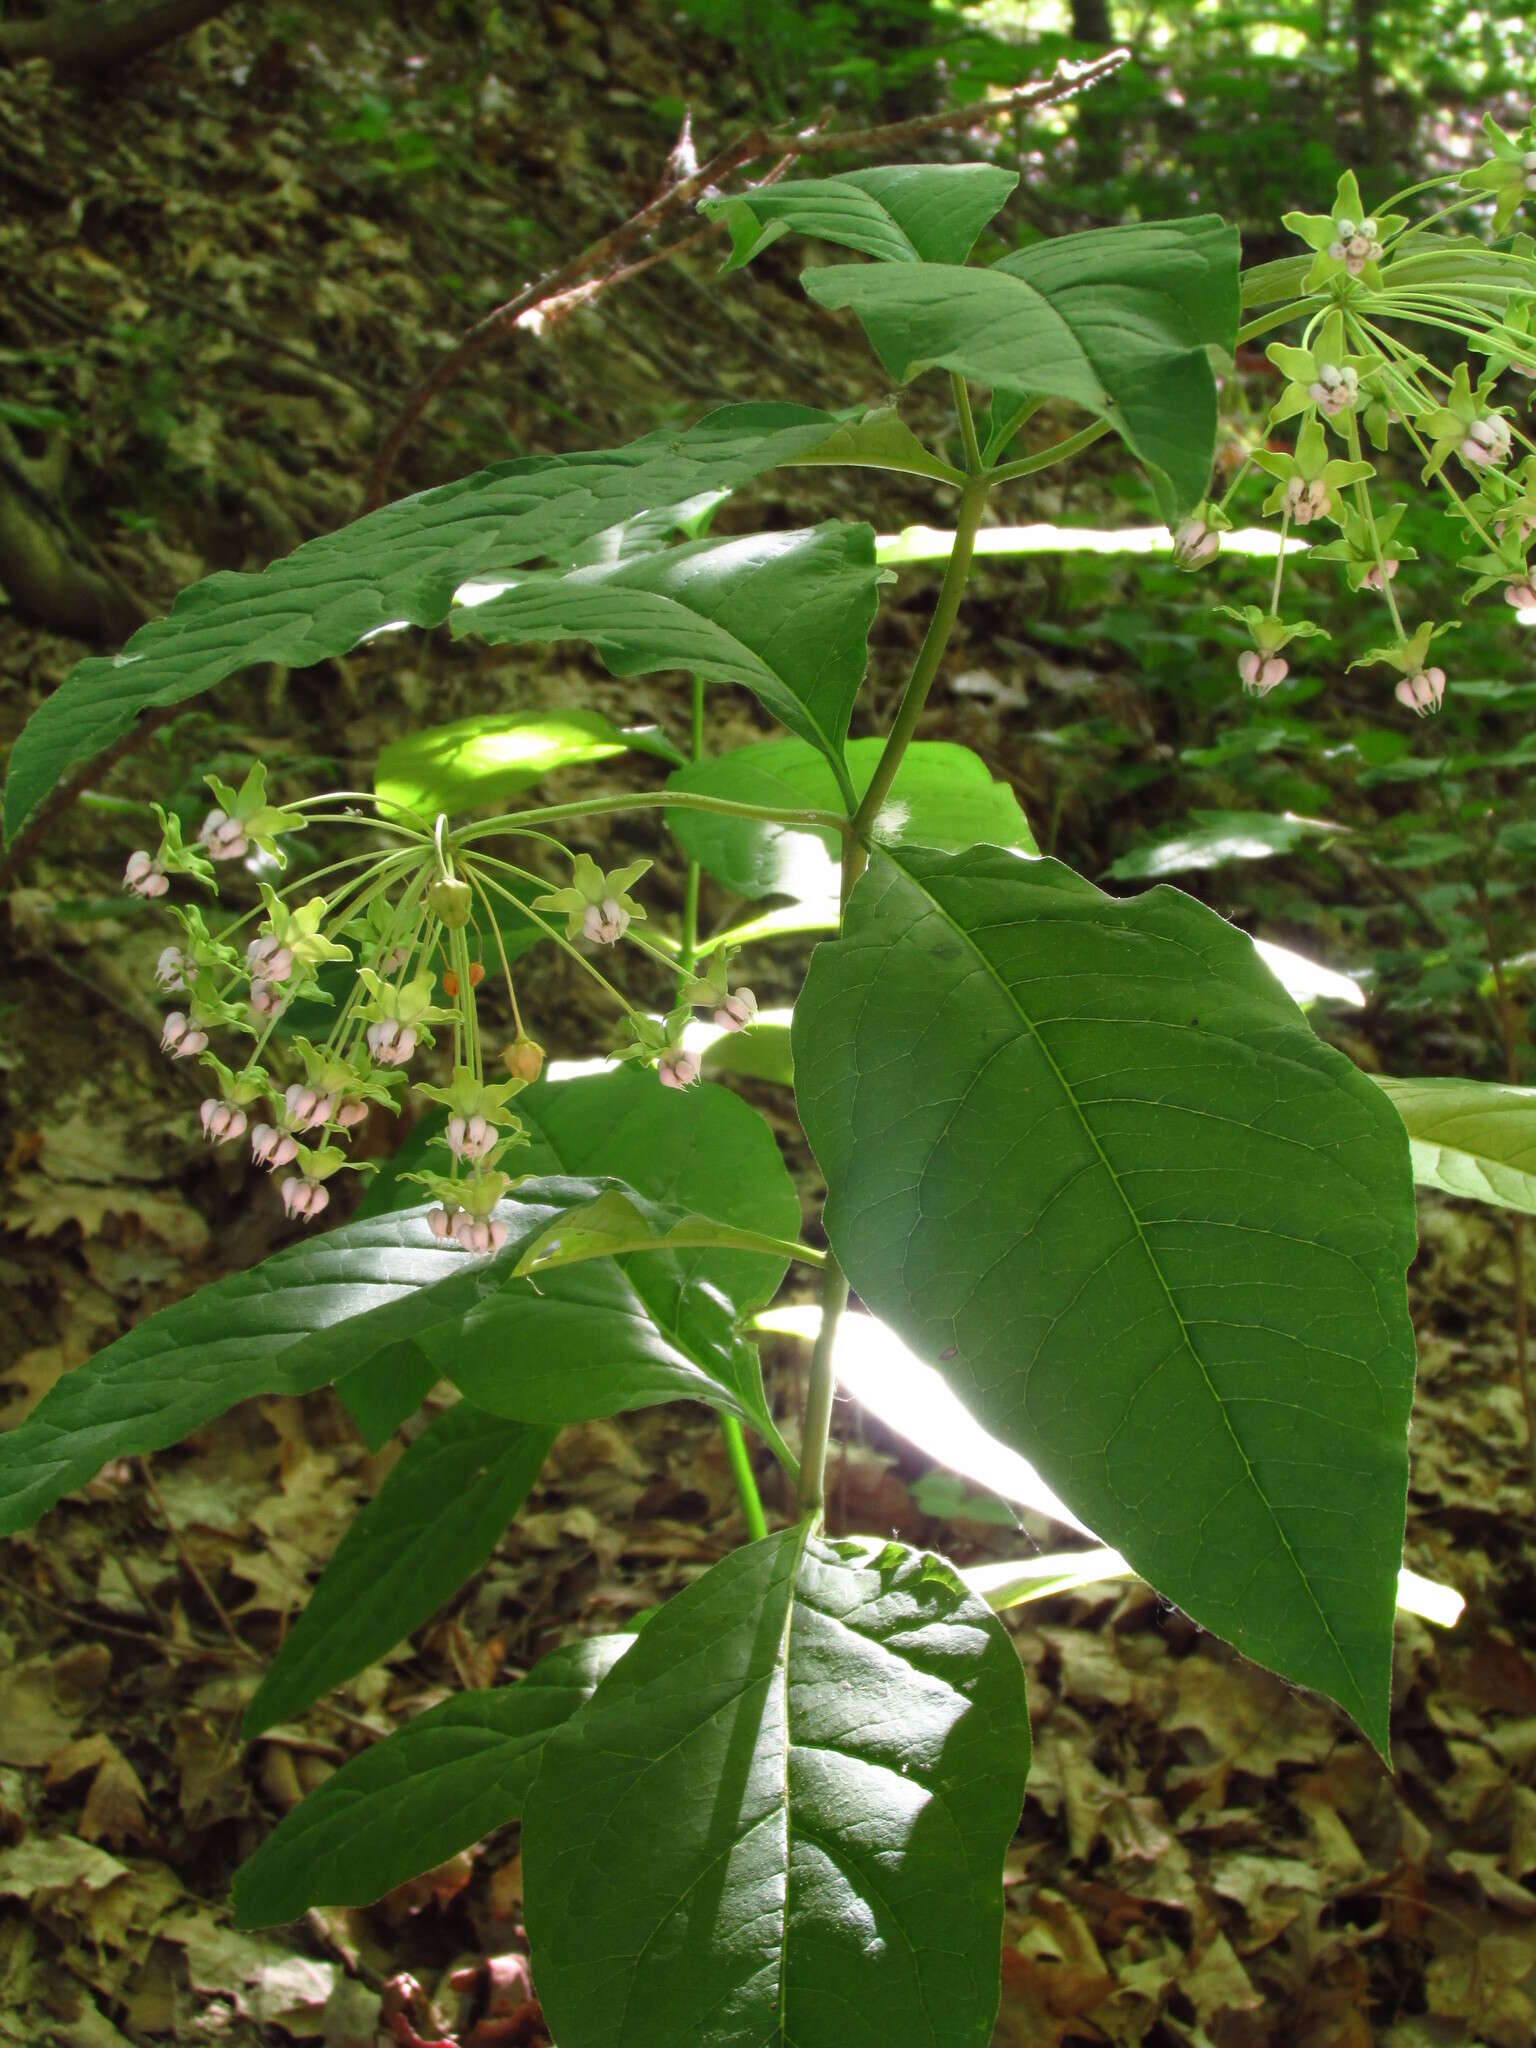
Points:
(737, 1455)
(834, 1282)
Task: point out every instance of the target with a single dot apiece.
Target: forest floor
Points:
(219, 284)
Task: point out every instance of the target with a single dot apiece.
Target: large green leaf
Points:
(1471, 1138)
(1089, 1160)
(1117, 320)
(782, 1817)
(401, 564)
(486, 759)
(943, 795)
(431, 1525)
(1211, 839)
(899, 213)
(421, 1795)
(585, 1343)
(785, 614)
(700, 1149)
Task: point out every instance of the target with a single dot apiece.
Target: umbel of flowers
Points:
(1352, 380)
(391, 954)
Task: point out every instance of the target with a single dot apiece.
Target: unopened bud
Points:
(1521, 595)
(524, 1059)
(222, 1121)
(737, 1011)
(450, 900)
(144, 875)
(677, 1070)
(181, 1038)
(1422, 692)
(304, 1199)
(272, 1148)
(1195, 544)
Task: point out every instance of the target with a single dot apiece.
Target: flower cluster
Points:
(385, 957)
(1353, 379)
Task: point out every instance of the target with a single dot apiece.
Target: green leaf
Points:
(618, 1224)
(482, 760)
(1117, 320)
(1211, 839)
(761, 1054)
(331, 1305)
(401, 564)
(880, 441)
(1088, 1160)
(786, 614)
(421, 1795)
(432, 1524)
(391, 1386)
(1476, 1139)
(699, 1149)
(783, 1816)
(900, 213)
(943, 795)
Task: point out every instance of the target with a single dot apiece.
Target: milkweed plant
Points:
(1084, 1155)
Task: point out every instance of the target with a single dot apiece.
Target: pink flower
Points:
(144, 876)
(1486, 442)
(737, 1011)
(272, 1148)
(391, 1043)
(677, 1070)
(304, 1109)
(1307, 501)
(1261, 672)
(222, 837)
(349, 1114)
(222, 1121)
(1423, 692)
(605, 922)
(1521, 595)
(478, 1233)
(470, 1137)
(1373, 578)
(266, 960)
(1195, 544)
(304, 1199)
(180, 1037)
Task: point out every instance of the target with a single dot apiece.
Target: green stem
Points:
(968, 438)
(822, 1389)
(1267, 322)
(972, 504)
(653, 799)
(1059, 451)
(737, 1455)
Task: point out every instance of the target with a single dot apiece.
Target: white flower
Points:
(272, 1148)
(144, 876)
(171, 968)
(180, 1037)
(304, 1199)
(737, 1011)
(1422, 692)
(390, 1042)
(222, 837)
(605, 923)
(266, 960)
(1261, 672)
(1486, 443)
(677, 1069)
(222, 1121)
(470, 1137)
(1307, 501)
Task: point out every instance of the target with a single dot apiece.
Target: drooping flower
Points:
(677, 1069)
(180, 1037)
(271, 1147)
(222, 1121)
(144, 875)
(597, 906)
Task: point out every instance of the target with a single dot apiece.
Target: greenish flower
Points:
(1509, 174)
(596, 905)
(1325, 378)
(1349, 241)
(1309, 482)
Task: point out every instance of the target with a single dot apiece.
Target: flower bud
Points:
(524, 1059)
(181, 1038)
(1373, 579)
(350, 1114)
(222, 1121)
(272, 1148)
(737, 1011)
(677, 1069)
(1337, 251)
(1521, 595)
(1261, 672)
(303, 1200)
(1195, 544)
(222, 837)
(451, 901)
(1422, 692)
(266, 1000)
(305, 1109)
(266, 960)
(1346, 230)
(605, 923)
(440, 1223)
(144, 876)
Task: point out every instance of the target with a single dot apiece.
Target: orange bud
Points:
(524, 1059)
(450, 983)
(476, 974)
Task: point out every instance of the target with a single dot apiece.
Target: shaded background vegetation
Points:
(225, 263)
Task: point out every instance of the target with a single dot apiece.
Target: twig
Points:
(600, 264)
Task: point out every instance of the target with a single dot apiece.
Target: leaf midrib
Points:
(1014, 1002)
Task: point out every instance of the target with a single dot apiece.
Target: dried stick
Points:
(601, 264)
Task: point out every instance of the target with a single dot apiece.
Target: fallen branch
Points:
(601, 264)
